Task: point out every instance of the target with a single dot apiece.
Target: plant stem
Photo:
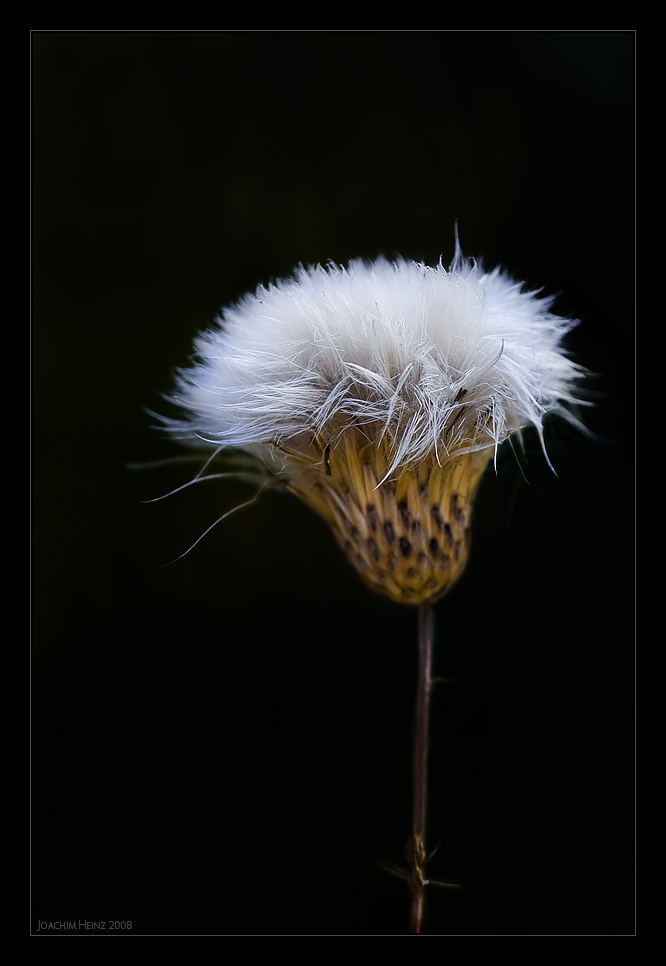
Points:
(423, 688)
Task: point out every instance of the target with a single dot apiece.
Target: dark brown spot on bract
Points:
(434, 547)
(405, 515)
(372, 547)
(389, 532)
(371, 514)
(448, 533)
(437, 517)
(405, 547)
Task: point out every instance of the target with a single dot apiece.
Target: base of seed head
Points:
(408, 537)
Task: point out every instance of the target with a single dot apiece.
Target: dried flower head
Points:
(380, 392)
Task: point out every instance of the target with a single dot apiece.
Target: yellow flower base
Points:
(409, 537)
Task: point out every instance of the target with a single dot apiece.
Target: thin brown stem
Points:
(423, 689)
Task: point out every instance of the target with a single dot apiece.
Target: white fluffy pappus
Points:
(444, 362)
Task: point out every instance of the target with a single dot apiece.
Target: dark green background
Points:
(223, 745)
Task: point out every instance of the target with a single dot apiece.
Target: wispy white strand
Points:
(245, 477)
(219, 520)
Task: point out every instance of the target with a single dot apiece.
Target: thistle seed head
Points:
(380, 392)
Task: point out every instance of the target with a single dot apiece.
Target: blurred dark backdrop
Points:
(224, 745)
